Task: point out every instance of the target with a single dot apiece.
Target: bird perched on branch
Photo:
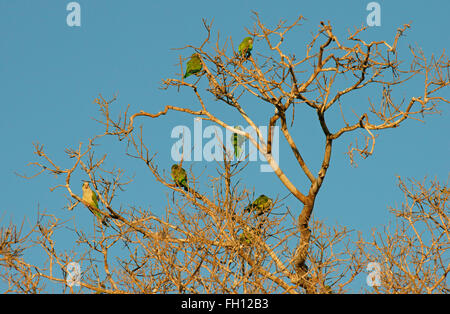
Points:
(261, 205)
(246, 238)
(194, 65)
(90, 197)
(245, 47)
(237, 141)
(179, 176)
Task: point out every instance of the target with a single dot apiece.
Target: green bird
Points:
(179, 176)
(237, 141)
(90, 197)
(246, 238)
(262, 204)
(194, 65)
(245, 47)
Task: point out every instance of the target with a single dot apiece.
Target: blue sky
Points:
(50, 74)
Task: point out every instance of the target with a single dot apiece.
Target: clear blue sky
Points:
(50, 74)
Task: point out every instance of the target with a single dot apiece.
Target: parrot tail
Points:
(237, 152)
(183, 184)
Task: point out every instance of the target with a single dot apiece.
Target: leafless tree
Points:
(413, 253)
(206, 242)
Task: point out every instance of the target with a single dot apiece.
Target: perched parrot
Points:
(179, 176)
(245, 47)
(237, 141)
(91, 198)
(194, 65)
(262, 204)
(245, 238)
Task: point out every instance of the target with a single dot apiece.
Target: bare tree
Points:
(206, 242)
(413, 252)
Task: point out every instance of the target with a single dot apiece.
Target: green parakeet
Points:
(179, 176)
(245, 47)
(91, 198)
(194, 65)
(261, 205)
(237, 141)
(246, 238)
